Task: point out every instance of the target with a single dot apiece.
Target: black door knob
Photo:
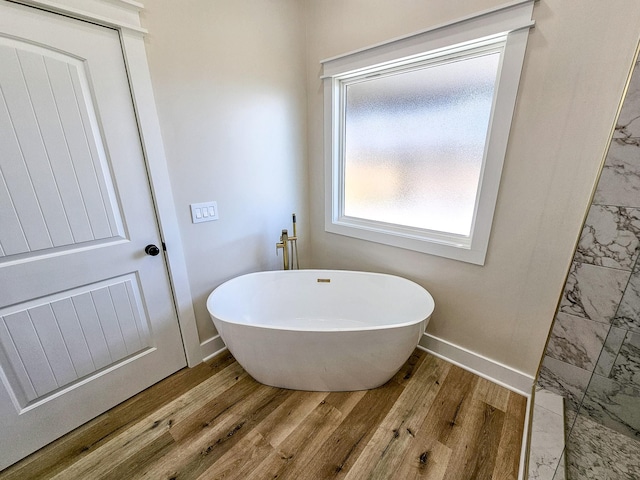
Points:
(151, 250)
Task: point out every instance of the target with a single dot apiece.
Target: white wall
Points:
(228, 78)
(578, 58)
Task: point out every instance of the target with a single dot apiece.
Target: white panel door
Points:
(86, 316)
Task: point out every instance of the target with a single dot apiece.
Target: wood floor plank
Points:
(344, 402)
(197, 453)
(382, 455)
(340, 451)
(100, 461)
(492, 394)
(462, 384)
(268, 434)
(286, 418)
(215, 407)
(508, 454)
(444, 414)
(477, 443)
(294, 452)
(432, 420)
(144, 457)
(240, 461)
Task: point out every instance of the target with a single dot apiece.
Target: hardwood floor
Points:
(433, 420)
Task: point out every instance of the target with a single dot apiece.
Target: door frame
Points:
(124, 16)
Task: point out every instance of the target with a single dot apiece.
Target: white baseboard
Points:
(212, 347)
(496, 372)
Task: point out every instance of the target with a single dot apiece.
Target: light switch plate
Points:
(204, 212)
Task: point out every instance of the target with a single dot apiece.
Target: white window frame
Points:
(505, 29)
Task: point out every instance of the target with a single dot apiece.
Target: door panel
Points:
(52, 146)
(53, 342)
(86, 317)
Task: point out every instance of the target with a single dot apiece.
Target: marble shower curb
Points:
(546, 459)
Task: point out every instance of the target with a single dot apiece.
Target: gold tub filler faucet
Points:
(286, 243)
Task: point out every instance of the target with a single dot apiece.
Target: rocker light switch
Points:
(204, 212)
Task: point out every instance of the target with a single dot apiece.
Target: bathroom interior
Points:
(554, 309)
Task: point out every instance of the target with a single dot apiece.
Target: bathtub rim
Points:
(360, 328)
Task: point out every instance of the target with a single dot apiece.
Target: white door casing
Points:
(86, 317)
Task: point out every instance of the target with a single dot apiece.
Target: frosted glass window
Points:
(414, 143)
(416, 132)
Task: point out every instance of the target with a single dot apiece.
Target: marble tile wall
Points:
(593, 355)
(595, 452)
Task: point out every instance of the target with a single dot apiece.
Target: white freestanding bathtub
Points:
(321, 330)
